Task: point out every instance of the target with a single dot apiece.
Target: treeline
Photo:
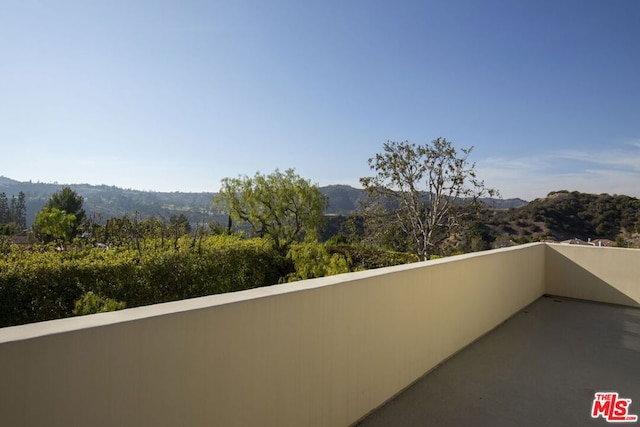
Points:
(110, 201)
(13, 214)
(127, 262)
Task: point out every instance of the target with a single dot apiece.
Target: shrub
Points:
(313, 259)
(91, 303)
(43, 284)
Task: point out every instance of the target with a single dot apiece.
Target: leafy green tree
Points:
(283, 207)
(70, 202)
(421, 195)
(53, 224)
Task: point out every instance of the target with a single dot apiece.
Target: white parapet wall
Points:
(610, 275)
(320, 352)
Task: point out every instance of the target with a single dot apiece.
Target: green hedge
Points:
(43, 285)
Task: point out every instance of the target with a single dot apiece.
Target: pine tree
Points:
(18, 211)
(5, 214)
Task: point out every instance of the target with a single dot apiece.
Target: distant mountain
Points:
(561, 215)
(109, 201)
(343, 199)
(503, 203)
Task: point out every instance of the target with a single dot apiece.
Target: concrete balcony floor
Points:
(539, 368)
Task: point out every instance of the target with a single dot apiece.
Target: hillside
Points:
(565, 215)
(108, 201)
(559, 216)
(343, 199)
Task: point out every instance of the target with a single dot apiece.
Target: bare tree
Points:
(422, 193)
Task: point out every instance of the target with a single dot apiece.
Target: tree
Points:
(421, 195)
(5, 213)
(179, 224)
(70, 202)
(281, 206)
(54, 224)
(13, 215)
(18, 211)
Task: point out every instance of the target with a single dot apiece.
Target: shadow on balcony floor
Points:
(541, 367)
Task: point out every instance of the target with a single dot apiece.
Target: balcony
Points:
(542, 367)
(330, 351)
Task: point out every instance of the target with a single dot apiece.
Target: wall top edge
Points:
(567, 245)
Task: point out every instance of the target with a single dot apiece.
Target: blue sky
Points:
(175, 95)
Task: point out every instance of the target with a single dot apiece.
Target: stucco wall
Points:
(321, 352)
(610, 275)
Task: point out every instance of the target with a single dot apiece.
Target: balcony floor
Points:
(539, 368)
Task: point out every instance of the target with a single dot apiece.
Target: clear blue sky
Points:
(175, 95)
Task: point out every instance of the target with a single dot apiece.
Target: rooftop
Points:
(541, 367)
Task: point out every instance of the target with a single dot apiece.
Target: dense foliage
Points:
(42, 282)
(45, 284)
(281, 206)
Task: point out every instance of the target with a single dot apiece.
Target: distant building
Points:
(575, 241)
(603, 242)
(597, 242)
